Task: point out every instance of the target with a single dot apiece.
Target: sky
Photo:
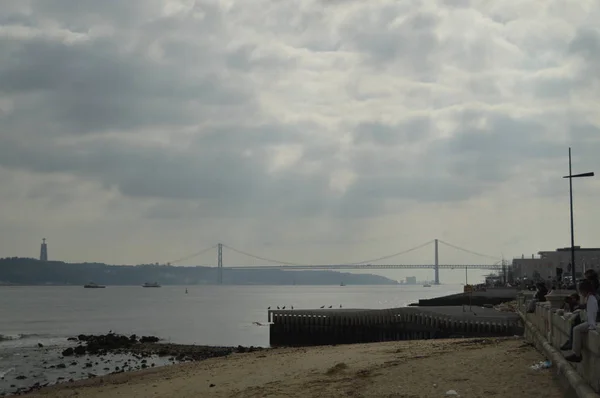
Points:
(313, 131)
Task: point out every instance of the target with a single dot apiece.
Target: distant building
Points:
(544, 267)
(44, 251)
(532, 268)
(493, 279)
(411, 280)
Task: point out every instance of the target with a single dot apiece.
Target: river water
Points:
(206, 315)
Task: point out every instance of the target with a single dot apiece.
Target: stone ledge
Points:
(577, 383)
(549, 329)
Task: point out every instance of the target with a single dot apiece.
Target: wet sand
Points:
(25, 369)
(425, 368)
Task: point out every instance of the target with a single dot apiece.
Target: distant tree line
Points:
(29, 271)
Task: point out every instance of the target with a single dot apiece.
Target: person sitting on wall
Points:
(539, 296)
(572, 305)
(592, 276)
(541, 292)
(586, 290)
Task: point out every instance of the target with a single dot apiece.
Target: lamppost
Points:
(570, 177)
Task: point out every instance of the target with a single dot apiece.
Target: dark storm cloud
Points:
(495, 151)
(410, 131)
(90, 96)
(92, 86)
(586, 44)
(87, 12)
(97, 84)
(418, 187)
(457, 3)
(252, 137)
(386, 35)
(486, 148)
(214, 167)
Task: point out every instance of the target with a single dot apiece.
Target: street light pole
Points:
(570, 177)
(572, 223)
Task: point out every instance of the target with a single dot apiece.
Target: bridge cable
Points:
(193, 255)
(357, 263)
(261, 258)
(467, 251)
(391, 255)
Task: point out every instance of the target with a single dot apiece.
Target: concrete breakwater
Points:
(492, 296)
(348, 326)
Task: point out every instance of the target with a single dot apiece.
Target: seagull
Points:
(278, 308)
(322, 306)
(283, 308)
(331, 306)
(292, 307)
(269, 308)
(340, 306)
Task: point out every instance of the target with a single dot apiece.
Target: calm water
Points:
(207, 315)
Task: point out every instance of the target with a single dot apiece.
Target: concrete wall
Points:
(555, 329)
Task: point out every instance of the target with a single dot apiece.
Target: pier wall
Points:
(492, 296)
(348, 326)
(548, 329)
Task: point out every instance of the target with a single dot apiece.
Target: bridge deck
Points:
(369, 266)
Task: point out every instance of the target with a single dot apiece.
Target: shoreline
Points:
(499, 367)
(91, 356)
(28, 369)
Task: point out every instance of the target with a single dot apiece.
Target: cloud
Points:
(343, 113)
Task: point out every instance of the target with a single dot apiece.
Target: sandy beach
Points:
(425, 368)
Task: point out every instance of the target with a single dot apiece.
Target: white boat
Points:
(155, 284)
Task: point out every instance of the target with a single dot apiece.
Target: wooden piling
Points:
(347, 326)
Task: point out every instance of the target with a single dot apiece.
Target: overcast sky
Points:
(313, 131)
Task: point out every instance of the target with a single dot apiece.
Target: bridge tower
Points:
(220, 264)
(437, 265)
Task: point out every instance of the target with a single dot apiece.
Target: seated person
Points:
(572, 304)
(586, 289)
(539, 296)
(541, 292)
(592, 276)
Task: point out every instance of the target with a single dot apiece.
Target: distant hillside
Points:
(28, 271)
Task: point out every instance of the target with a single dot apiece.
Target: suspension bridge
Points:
(361, 265)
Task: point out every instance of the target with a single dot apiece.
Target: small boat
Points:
(93, 285)
(155, 284)
(427, 285)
